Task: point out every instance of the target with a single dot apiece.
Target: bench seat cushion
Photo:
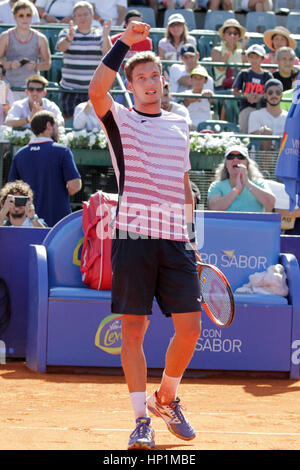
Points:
(78, 293)
(260, 299)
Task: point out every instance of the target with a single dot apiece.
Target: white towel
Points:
(269, 282)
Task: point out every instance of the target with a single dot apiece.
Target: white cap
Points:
(237, 148)
(257, 49)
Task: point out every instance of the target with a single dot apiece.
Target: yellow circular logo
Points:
(109, 336)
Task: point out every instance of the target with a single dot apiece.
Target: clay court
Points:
(75, 411)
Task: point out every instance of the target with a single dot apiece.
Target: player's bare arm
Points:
(104, 75)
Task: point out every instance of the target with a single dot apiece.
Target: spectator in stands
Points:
(23, 50)
(22, 111)
(199, 108)
(114, 10)
(215, 4)
(176, 36)
(179, 74)
(257, 5)
(249, 85)
(6, 14)
(176, 4)
(271, 119)
(239, 185)
(172, 107)
(232, 50)
(12, 214)
(55, 11)
(286, 73)
(276, 38)
(83, 46)
(85, 117)
(145, 45)
(6, 95)
(49, 169)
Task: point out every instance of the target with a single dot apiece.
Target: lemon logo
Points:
(108, 336)
(76, 257)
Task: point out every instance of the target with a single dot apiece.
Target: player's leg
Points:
(178, 292)
(164, 402)
(135, 370)
(180, 351)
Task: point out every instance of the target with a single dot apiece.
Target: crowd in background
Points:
(86, 35)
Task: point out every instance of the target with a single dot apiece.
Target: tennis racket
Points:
(217, 296)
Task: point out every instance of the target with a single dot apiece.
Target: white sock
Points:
(168, 387)
(138, 401)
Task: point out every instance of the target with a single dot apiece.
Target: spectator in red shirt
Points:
(146, 45)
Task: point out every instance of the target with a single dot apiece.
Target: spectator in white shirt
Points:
(179, 74)
(114, 10)
(22, 111)
(6, 14)
(271, 119)
(85, 117)
(172, 107)
(55, 11)
(199, 108)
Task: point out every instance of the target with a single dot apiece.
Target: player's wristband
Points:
(114, 58)
(191, 232)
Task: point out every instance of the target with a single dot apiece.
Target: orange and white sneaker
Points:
(173, 416)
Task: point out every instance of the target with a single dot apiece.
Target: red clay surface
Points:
(65, 411)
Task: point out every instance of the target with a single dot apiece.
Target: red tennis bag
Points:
(98, 213)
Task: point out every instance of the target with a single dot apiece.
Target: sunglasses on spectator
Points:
(33, 88)
(22, 15)
(232, 156)
(277, 92)
(234, 33)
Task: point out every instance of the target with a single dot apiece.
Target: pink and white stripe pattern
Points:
(155, 152)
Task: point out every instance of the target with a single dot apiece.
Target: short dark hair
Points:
(141, 58)
(40, 120)
(132, 14)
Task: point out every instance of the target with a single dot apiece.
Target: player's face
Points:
(146, 84)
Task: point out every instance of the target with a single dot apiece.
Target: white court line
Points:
(202, 431)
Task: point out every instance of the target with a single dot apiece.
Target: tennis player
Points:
(152, 254)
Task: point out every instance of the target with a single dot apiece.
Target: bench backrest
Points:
(63, 244)
(239, 243)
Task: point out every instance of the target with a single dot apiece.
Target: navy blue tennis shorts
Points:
(145, 268)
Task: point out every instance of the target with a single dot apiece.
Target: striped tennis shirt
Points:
(150, 154)
(81, 58)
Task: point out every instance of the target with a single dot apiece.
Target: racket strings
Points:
(215, 295)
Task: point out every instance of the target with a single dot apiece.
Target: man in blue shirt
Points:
(49, 168)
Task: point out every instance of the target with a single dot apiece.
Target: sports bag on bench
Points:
(98, 213)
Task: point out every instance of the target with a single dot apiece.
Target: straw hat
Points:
(232, 23)
(199, 70)
(268, 35)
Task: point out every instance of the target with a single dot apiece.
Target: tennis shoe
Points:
(143, 435)
(173, 416)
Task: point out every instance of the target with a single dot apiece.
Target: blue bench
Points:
(71, 325)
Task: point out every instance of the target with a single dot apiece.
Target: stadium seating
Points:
(187, 14)
(217, 126)
(70, 325)
(147, 13)
(260, 21)
(214, 19)
(293, 22)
